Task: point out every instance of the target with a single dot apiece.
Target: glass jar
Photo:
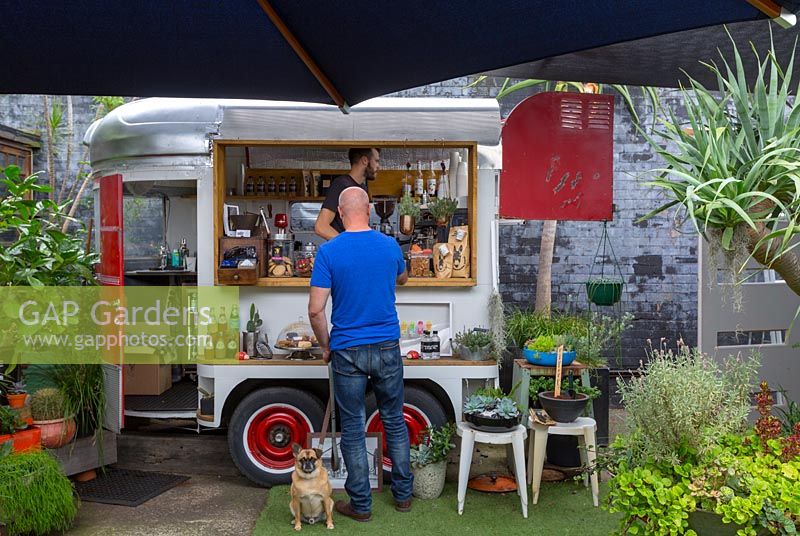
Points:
(280, 261)
(304, 258)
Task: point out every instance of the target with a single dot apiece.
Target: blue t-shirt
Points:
(361, 269)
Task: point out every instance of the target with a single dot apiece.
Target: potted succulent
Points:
(206, 402)
(491, 410)
(604, 290)
(442, 209)
(543, 350)
(429, 460)
(15, 393)
(250, 337)
(409, 212)
(48, 410)
(474, 345)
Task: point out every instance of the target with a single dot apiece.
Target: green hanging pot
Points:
(604, 291)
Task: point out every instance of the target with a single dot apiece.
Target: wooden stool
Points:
(469, 436)
(584, 428)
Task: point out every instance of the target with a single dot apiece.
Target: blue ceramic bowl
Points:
(547, 359)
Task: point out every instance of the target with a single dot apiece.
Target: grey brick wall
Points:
(26, 112)
(659, 263)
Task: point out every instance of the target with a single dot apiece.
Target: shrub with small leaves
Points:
(434, 444)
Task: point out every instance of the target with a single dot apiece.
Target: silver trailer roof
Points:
(183, 127)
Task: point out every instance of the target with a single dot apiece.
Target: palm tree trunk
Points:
(787, 264)
(544, 280)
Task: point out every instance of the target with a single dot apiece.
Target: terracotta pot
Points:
(57, 432)
(16, 401)
(407, 224)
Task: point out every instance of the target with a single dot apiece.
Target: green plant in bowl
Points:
(442, 209)
(408, 207)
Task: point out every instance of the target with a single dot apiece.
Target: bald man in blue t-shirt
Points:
(359, 269)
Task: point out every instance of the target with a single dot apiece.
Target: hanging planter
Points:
(606, 287)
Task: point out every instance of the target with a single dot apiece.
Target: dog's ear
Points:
(296, 448)
(318, 452)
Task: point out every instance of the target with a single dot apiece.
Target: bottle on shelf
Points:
(444, 185)
(184, 254)
(423, 346)
(175, 263)
(261, 186)
(292, 187)
(219, 347)
(419, 182)
(282, 187)
(234, 324)
(436, 345)
(250, 185)
(222, 323)
(431, 181)
(272, 187)
(232, 346)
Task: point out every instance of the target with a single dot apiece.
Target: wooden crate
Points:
(228, 243)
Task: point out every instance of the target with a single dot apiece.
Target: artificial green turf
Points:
(565, 508)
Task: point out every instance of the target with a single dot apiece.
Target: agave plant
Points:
(733, 167)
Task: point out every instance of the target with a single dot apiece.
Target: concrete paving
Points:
(202, 506)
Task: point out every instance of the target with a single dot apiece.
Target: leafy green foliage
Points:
(10, 421)
(434, 444)
(589, 334)
(539, 384)
(686, 401)
(36, 496)
(733, 167)
(473, 339)
(789, 416)
(443, 208)
(47, 404)
(492, 402)
(41, 255)
(82, 387)
(407, 207)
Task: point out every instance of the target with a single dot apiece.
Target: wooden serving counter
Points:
(317, 362)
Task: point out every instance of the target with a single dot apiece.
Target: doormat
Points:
(127, 487)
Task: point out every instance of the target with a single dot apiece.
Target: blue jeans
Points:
(352, 367)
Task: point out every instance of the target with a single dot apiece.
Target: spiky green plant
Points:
(407, 207)
(35, 496)
(733, 166)
(47, 404)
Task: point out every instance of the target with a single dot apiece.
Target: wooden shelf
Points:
(297, 282)
(272, 198)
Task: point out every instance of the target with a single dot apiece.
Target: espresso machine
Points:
(384, 208)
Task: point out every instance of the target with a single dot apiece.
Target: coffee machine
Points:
(384, 208)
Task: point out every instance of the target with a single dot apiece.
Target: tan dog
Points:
(311, 489)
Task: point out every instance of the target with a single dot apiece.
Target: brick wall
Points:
(658, 263)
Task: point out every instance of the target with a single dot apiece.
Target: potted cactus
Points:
(429, 460)
(491, 410)
(251, 335)
(47, 409)
(474, 345)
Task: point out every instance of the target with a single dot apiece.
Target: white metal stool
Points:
(470, 436)
(584, 428)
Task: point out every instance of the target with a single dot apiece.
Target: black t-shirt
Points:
(332, 199)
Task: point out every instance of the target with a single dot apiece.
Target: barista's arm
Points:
(323, 224)
(317, 300)
(402, 279)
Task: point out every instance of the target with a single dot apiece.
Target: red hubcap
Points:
(269, 435)
(416, 422)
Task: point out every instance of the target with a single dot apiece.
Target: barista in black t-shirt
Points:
(364, 165)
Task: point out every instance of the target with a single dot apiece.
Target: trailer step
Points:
(181, 397)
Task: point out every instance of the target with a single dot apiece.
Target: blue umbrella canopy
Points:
(329, 52)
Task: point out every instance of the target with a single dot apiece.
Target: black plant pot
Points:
(207, 406)
(492, 424)
(563, 410)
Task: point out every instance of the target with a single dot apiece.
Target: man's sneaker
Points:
(403, 506)
(346, 509)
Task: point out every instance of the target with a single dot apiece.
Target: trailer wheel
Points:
(263, 428)
(421, 409)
